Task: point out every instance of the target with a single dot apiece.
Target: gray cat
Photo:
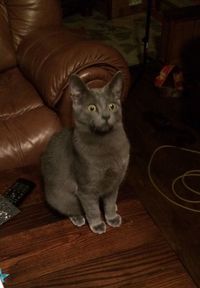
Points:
(85, 166)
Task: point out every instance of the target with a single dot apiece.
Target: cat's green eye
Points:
(112, 107)
(92, 108)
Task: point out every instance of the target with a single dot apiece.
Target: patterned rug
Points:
(125, 33)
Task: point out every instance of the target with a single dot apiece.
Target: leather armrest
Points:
(48, 58)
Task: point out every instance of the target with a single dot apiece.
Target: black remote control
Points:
(13, 197)
(16, 193)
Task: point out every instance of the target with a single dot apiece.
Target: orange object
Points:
(164, 73)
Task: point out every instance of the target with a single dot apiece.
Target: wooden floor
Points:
(39, 248)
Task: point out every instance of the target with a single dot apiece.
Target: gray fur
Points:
(84, 165)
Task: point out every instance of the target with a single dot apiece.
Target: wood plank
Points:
(47, 243)
(66, 256)
(149, 265)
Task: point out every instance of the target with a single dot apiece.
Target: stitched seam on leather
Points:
(9, 116)
(65, 85)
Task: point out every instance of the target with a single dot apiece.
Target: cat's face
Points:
(96, 110)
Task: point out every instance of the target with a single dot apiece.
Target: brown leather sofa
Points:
(37, 56)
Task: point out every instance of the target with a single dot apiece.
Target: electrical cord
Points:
(189, 173)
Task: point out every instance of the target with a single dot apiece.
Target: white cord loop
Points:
(182, 178)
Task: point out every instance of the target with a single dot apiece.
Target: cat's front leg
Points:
(110, 208)
(93, 214)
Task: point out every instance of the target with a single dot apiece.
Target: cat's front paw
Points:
(98, 228)
(77, 220)
(114, 222)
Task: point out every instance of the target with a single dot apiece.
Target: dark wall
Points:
(190, 57)
(76, 6)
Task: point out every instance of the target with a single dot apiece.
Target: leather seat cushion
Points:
(17, 95)
(26, 124)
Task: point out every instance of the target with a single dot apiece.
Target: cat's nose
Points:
(106, 116)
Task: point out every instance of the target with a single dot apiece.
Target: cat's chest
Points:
(102, 174)
(108, 167)
(101, 162)
(110, 175)
(109, 155)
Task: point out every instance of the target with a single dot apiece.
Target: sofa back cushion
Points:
(7, 52)
(20, 17)
(28, 15)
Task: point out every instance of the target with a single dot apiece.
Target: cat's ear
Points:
(76, 88)
(115, 86)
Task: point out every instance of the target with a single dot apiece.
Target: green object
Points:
(3, 276)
